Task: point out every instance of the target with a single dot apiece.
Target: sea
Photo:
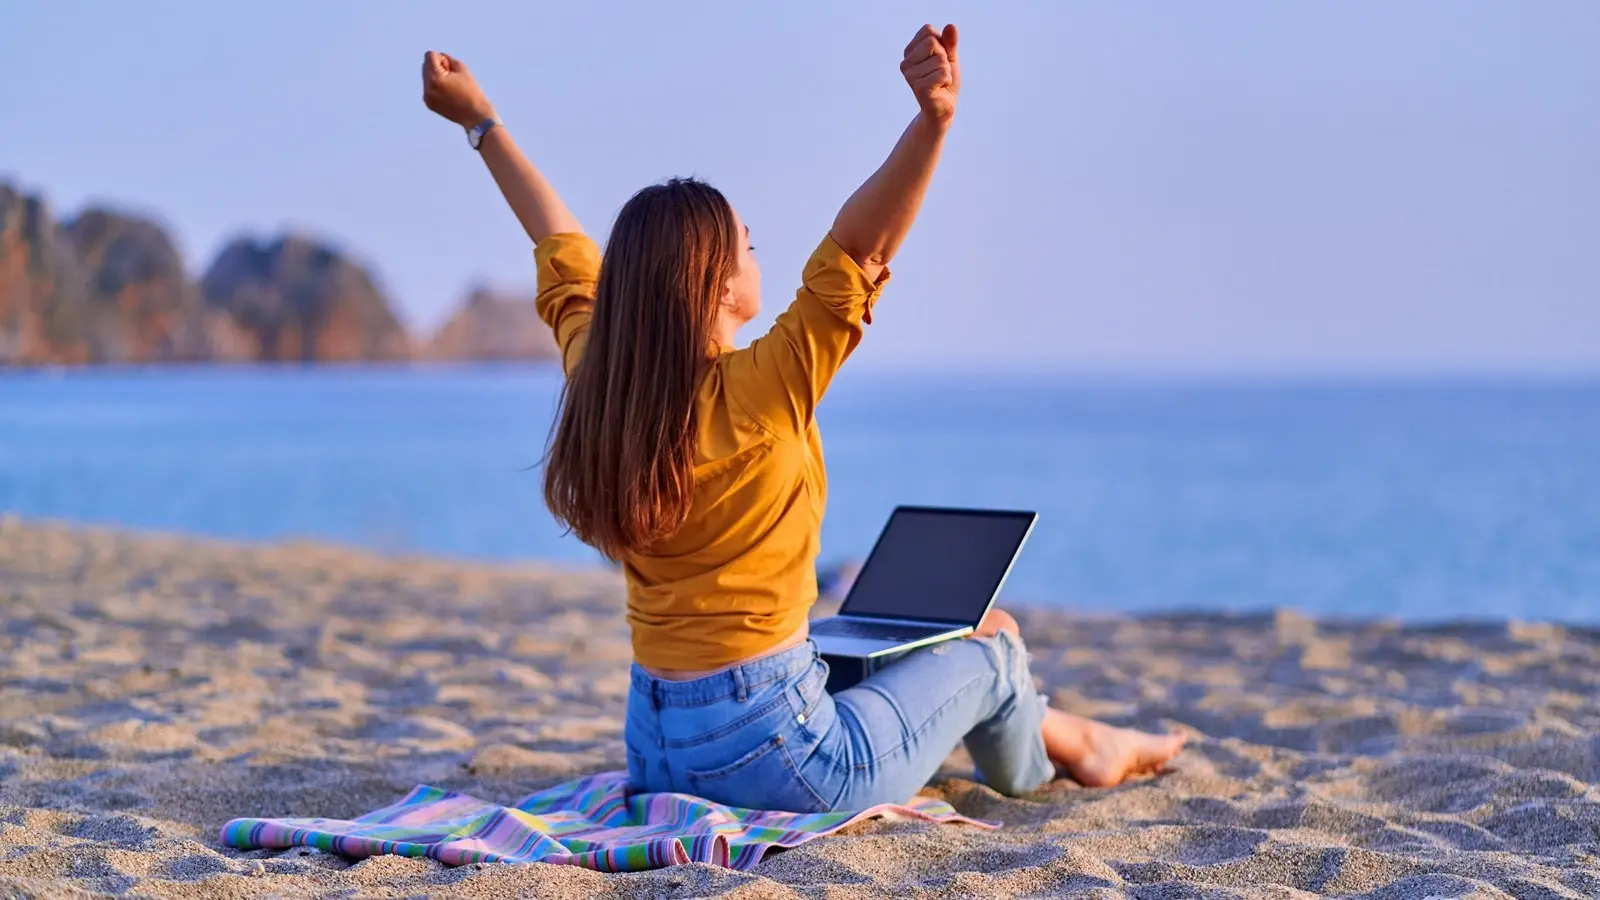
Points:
(1412, 499)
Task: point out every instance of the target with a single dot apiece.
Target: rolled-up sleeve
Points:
(783, 374)
(568, 268)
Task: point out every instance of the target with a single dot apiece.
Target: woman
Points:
(698, 467)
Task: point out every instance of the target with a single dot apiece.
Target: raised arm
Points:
(566, 260)
(874, 221)
(784, 373)
(449, 89)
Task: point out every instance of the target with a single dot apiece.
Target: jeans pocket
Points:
(765, 778)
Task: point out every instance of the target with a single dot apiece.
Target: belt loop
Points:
(740, 690)
(655, 693)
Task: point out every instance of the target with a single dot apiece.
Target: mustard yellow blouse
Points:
(740, 577)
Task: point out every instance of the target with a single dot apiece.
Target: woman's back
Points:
(738, 577)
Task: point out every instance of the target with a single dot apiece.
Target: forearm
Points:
(531, 197)
(874, 221)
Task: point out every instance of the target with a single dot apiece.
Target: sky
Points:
(1353, 187)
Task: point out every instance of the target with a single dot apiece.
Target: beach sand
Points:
(155, 687)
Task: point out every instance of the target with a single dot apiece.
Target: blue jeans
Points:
(766, 735)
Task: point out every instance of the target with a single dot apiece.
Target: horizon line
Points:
(918, 368)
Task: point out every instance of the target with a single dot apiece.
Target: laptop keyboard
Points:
(876, 631)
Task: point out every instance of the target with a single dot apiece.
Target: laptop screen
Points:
(939, 564)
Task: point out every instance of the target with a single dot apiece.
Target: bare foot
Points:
(1095, 754)
(995, 621)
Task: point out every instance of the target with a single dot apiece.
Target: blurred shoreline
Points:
(109, 287)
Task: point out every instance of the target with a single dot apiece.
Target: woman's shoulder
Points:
(728, 406)
(567, 256)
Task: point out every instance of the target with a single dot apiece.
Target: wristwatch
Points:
(475, 133)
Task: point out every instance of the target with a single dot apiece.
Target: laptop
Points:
(932, 576)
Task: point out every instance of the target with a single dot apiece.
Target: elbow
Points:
(866, 254)
(873, 264)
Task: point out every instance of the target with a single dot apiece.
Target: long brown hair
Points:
(620, 468)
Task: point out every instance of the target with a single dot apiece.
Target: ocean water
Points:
(1412, 499)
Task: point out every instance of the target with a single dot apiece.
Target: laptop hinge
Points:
(912, 623)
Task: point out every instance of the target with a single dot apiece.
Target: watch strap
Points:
(475, 133)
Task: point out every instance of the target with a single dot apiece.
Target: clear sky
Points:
(1257, 186)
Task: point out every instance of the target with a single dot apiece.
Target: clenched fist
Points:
(450, 90)
(930, 67)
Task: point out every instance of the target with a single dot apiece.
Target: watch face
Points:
(474, 136)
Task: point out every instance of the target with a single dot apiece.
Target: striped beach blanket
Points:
(593, 822)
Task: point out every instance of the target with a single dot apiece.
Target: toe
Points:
(1157, 750)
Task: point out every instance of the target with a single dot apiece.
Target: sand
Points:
(155, 687)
